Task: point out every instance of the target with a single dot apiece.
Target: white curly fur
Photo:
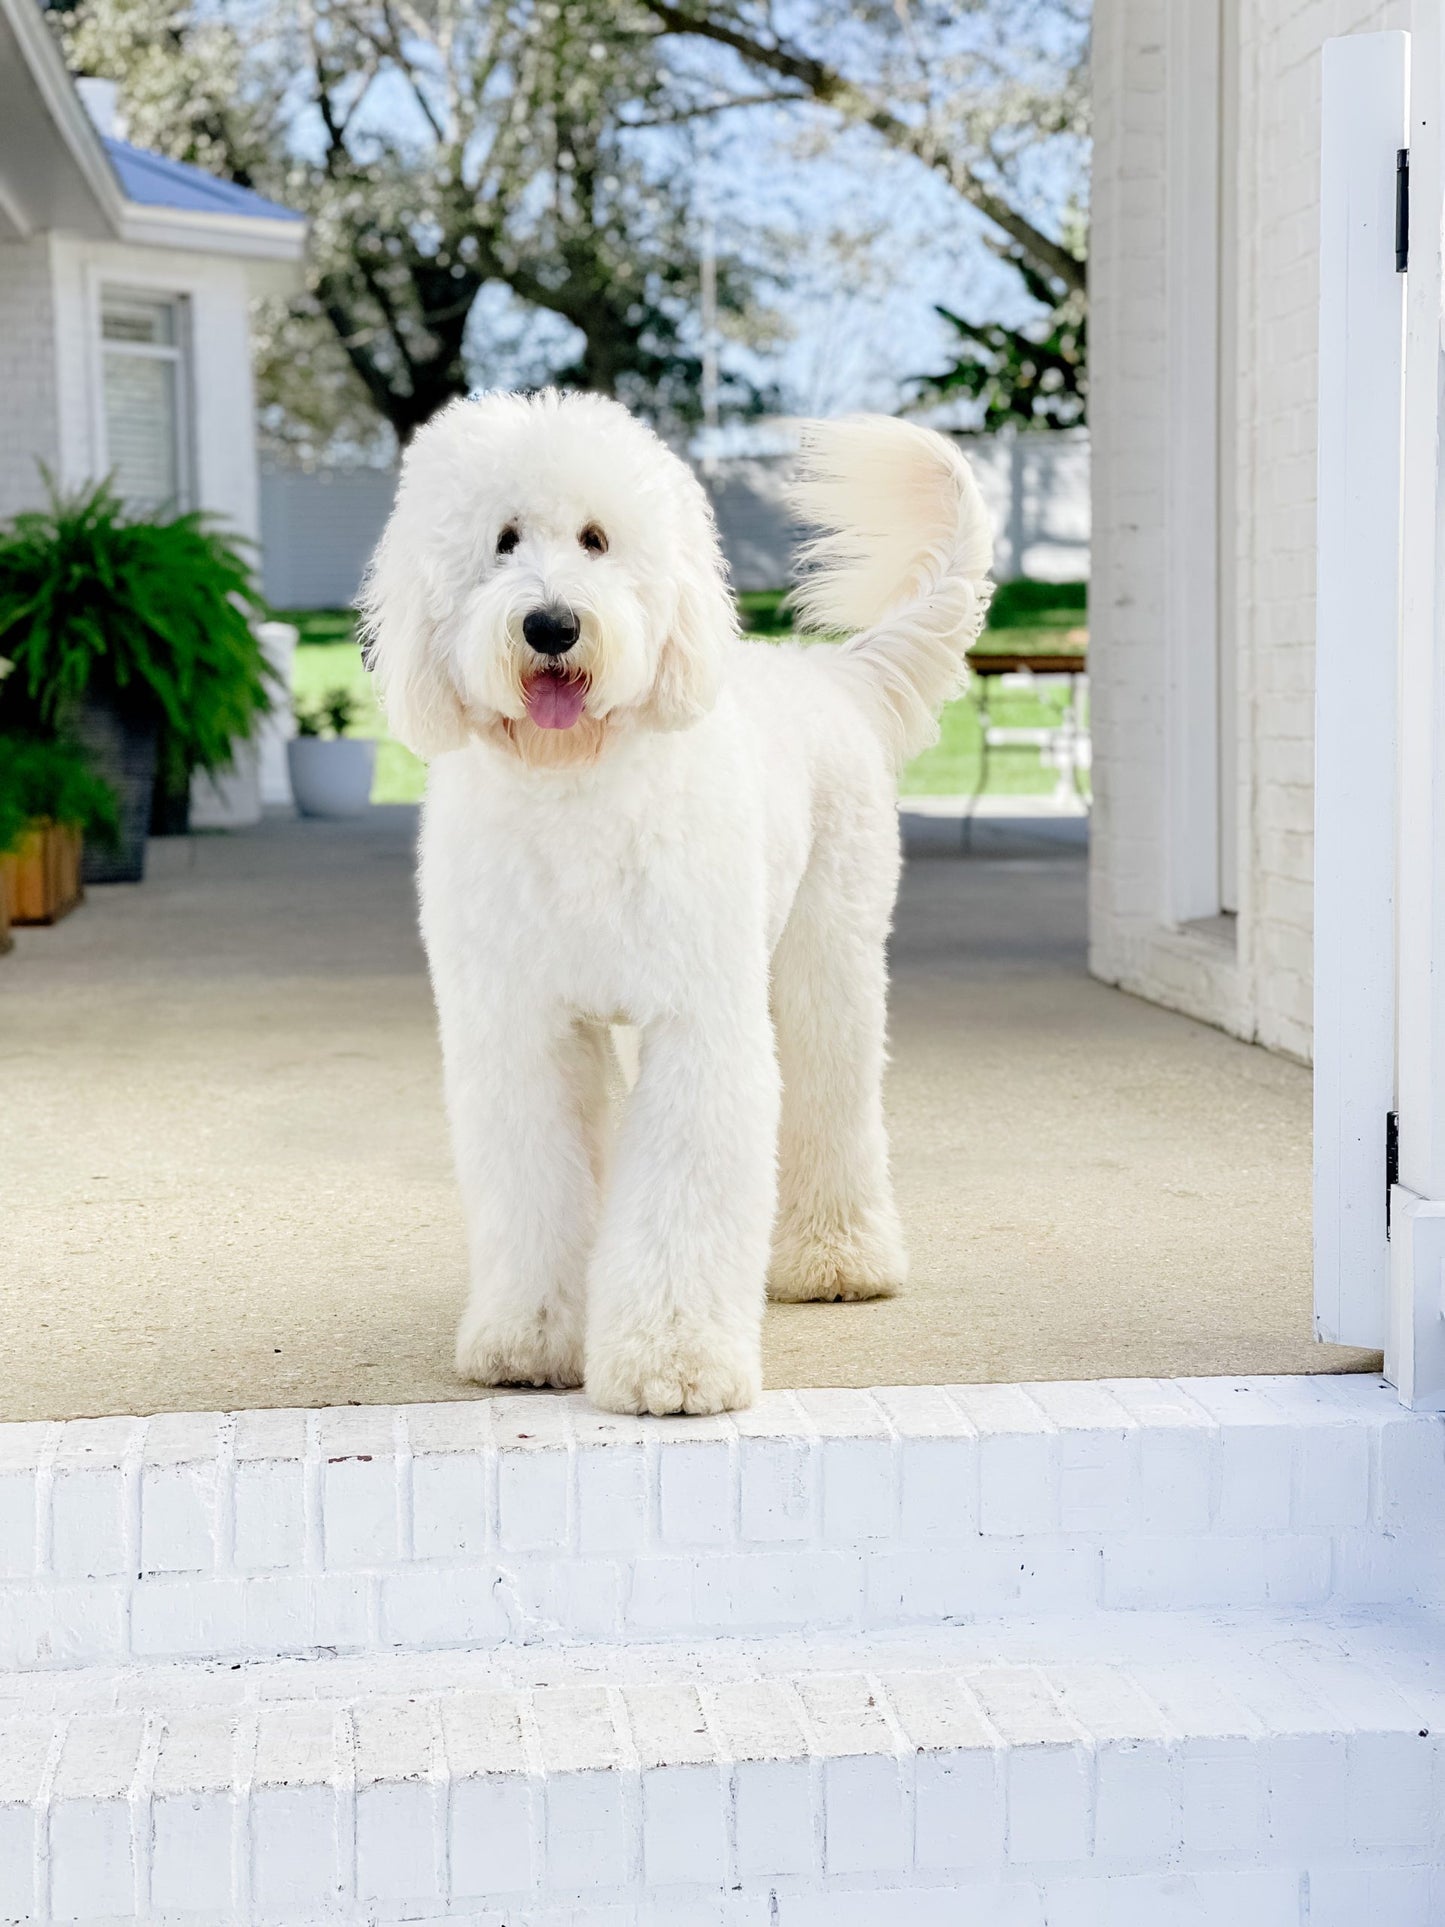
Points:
(709, 854)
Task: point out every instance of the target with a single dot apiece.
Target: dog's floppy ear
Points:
(398, 630)
(689, 665)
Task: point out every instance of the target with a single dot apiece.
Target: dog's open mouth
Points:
(554, 698)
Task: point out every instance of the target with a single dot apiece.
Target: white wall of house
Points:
(27, 371)
(219, 397)
(51, 369)
(1204, 289)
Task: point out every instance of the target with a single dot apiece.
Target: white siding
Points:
(27, 372)
(222, 398)
(1256, 980)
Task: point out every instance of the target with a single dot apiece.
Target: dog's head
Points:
(550, 571)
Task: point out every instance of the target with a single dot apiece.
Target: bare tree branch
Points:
(771, 97)
(831, 88)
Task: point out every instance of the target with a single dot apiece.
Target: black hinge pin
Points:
(1402, 210)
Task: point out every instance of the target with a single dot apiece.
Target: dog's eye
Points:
(507, 540)
(593, 540)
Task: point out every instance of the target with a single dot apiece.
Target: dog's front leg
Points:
(525, 1098)
(675, 1290)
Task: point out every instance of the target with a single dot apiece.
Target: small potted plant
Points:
(331, 775)
(133, 636)
(49, 799)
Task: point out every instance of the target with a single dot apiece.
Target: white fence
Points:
(319, 527)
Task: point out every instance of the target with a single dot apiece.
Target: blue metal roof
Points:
(150, 180)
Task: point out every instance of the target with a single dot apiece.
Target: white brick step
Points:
(535, 1518)
(1109, 1771)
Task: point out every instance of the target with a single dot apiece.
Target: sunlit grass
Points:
(328, 658)
(1025, 616)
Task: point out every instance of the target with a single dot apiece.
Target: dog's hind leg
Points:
(530, 1127)
(837, 1233)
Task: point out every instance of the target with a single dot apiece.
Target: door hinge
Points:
(1402, 210)
(1392, 1160)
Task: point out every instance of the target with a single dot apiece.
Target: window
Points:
(144, 381)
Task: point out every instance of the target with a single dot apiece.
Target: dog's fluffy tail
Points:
(900, 563)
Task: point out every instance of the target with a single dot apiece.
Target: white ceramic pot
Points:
(331, 775)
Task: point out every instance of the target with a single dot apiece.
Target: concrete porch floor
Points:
(227, 1181)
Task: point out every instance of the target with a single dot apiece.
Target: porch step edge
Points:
(1259, 1759)
(535, 1518)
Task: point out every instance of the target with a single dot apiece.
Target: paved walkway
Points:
(226, 1180)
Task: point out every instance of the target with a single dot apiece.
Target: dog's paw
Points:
(494, 1350)
(846, 1265)
(675, 1374)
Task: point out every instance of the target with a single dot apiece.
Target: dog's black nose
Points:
(551, 632)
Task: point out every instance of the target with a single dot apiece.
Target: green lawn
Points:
(1025, 616)
(327, 658)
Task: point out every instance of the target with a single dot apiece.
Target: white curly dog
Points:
(636, 818)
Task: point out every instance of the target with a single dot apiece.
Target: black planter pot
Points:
(122, 749)
(171, 798)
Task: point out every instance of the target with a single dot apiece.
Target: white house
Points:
(1268, 607)
(125, 289)
(1204, 278)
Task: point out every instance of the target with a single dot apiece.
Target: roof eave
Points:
(47, 69)
(248, 237)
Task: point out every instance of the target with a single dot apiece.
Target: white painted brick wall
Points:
(529, 1519)
(1092, 1653)
(1214, 1775)
(1265, 994)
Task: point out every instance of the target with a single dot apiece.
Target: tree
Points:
(1035, 376)
(990, 95)
(914, 89)
(439, 147)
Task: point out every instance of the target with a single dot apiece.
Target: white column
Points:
(1191, 640)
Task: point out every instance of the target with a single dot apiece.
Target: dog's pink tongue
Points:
(555, 702)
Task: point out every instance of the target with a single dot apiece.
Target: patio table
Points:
(1064, 743)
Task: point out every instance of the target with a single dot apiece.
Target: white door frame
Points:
(1363, 119)
(1380, 710)
(1415, 1347)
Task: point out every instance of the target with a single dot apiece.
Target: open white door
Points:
(1365, 105)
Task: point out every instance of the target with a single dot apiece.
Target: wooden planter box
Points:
(41, 877)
